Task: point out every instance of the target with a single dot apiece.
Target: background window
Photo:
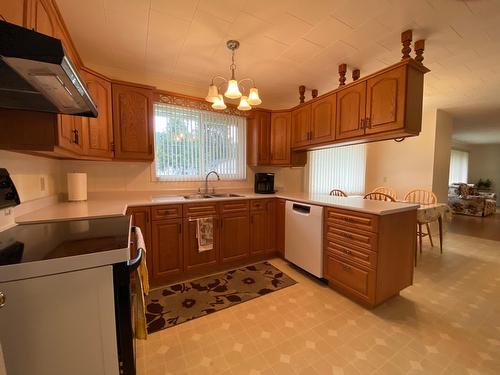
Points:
(338, 168)
(459, 166)
(189, 143)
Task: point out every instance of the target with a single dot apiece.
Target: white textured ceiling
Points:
(179, 44)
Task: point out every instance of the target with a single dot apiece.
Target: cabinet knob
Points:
(368, 122)
(3, 298)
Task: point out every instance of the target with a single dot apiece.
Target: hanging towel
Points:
(139, 317)
(205, 233)
(142, 271)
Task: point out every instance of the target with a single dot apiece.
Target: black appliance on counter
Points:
(8, 192)
(264, 183)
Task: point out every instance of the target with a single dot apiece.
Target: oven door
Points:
(124, 316)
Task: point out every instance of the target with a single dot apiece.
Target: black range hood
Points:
(36, 74)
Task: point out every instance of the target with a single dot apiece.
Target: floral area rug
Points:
(179, 303)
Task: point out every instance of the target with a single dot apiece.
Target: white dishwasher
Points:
(304, 236)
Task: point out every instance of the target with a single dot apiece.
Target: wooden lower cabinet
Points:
(194, 260)
(262, 233)
(370, 258)
(234, 237)
(167, 249)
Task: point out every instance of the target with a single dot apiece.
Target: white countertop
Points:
(109, 204)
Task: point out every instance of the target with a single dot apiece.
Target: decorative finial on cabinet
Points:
(342, 72)
(355, 74)
(314, 93)
(419, 50)
(302, 91)
(406, 37)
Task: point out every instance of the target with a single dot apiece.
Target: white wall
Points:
(484, 162)
(136, 176)
(442, 151)
(405, 165)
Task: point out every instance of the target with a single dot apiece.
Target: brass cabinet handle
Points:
(362, 123)
(3, 299)
(368, 122)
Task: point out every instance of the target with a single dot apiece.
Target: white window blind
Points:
(189, 143)
(338, 168)
(459, 166)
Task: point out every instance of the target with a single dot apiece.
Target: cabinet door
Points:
(385, 101)
(133, 122)
(258, 138)
(351, 111)
(69, 134)
(14, 11)
(167, 254)
(323, 119)
(234, 237)
(193, 258)
(262, 228)
(98, 132)
(40, 17)
(301, 126)
(280, 138)
(280, 226)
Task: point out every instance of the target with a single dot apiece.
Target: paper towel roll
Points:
(77, 186)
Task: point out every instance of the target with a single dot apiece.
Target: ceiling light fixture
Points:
(234, 87)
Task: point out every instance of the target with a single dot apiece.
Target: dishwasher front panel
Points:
(304, 236)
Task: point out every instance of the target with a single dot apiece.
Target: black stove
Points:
(35, 242)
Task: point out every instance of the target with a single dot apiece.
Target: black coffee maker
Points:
(264, 183)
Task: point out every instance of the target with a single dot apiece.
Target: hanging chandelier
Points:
(233, 87)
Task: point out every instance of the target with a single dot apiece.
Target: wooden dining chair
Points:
(423, 196)
(379, 197)
(338, 193)
(386, 190)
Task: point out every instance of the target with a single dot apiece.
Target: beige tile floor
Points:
(448, 322)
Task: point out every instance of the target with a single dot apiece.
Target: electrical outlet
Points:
(42, 183)
(7, 212)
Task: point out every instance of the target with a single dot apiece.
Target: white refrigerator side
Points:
(60, 324)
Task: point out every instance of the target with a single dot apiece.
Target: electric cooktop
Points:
(27, 243)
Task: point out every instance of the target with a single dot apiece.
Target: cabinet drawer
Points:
(348, 236)
(200, 210)
(172, 211)
(355, 279)
(259, 204)
(351, 253)
(352, 219)
(233, 206)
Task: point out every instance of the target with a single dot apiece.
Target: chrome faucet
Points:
(206, 179)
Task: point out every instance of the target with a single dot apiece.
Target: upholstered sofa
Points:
(464, 199)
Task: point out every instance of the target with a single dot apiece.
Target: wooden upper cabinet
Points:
(69, 133)
(14, 11)
(258, 138)
(351, 111)
(323, 119)
(41, 17)
(385, 101)
(301, 126)
(98, 132)
(133, 122)
(281, 123)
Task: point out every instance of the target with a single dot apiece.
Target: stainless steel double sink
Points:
(209, 196)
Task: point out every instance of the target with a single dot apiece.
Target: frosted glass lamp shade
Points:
(233, 91)
(219, 103)
(253, 97)
(213, 94)
(244, 106)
